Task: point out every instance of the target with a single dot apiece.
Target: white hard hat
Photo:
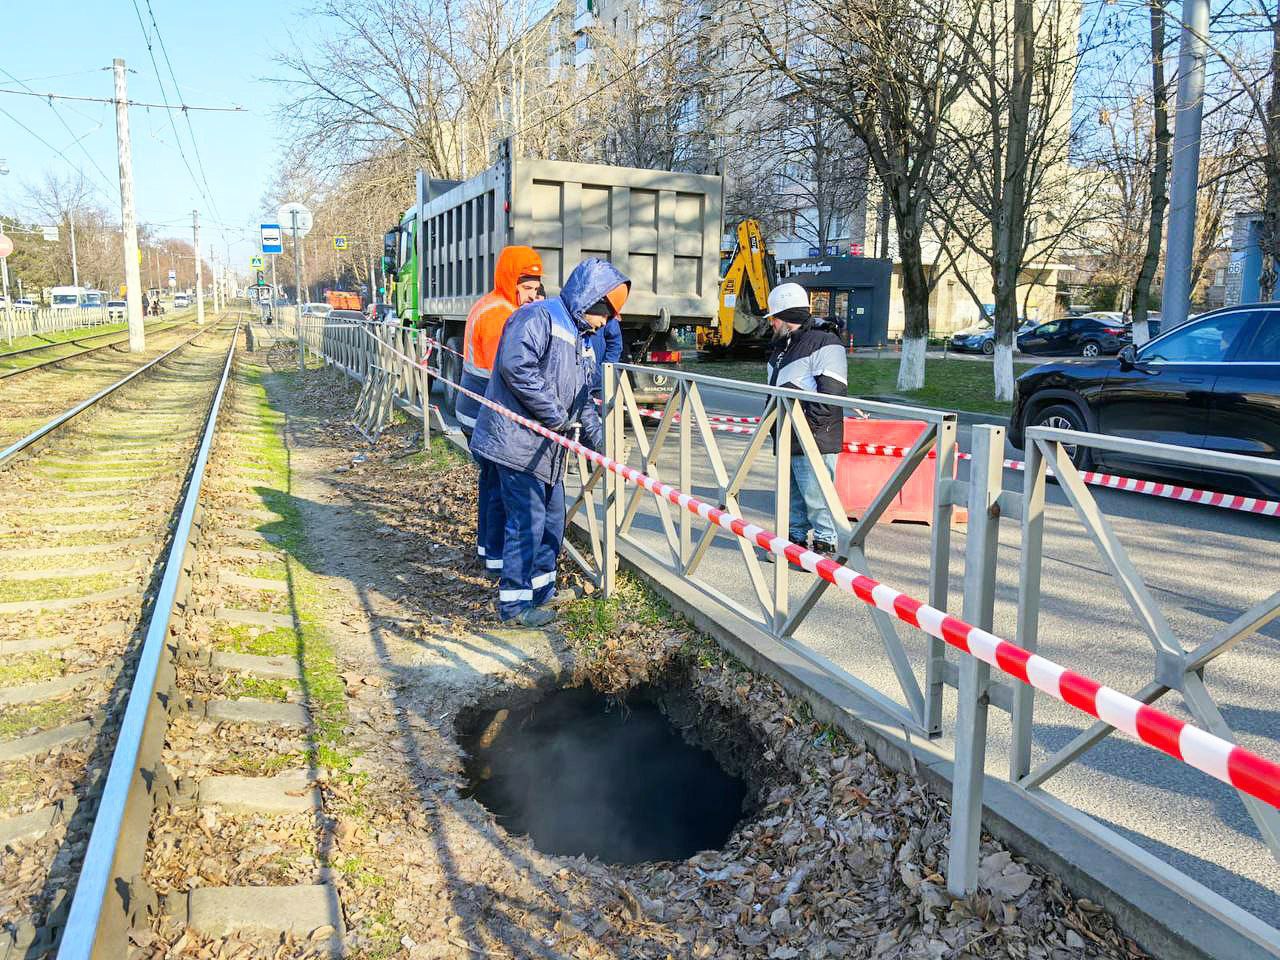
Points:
(787, 296)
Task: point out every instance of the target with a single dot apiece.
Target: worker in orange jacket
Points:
(517, 280)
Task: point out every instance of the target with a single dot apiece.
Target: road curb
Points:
(962, 416)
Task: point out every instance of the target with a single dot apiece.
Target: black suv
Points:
(1212, 383)
(1078, 336)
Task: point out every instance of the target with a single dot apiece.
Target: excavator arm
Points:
(745, 286)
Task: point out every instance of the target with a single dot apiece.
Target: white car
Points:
(24, 304)
(117, 308)
(181, 300)
(316, 309)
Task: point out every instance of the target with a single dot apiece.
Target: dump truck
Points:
(661, 229)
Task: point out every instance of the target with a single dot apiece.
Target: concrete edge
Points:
(1148, 898)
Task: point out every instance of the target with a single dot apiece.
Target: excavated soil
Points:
(835, 855)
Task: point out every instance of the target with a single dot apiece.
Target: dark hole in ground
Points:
(582, 773)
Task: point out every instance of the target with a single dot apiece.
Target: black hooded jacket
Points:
(812, 358)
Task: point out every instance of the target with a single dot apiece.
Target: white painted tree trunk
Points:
(1141, 332)
(911, 367)
(1004, 371)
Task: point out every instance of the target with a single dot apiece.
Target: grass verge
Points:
(951, 384)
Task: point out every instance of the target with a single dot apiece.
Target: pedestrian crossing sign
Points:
(255, 262)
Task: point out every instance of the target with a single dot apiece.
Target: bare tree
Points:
(891, 72)
(1008, 153)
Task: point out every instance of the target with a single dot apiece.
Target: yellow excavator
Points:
(747, 274)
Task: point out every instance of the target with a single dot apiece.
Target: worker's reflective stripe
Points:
(561, 333)
(493, 563)
(465, 420)
(508, 596)
(479, 550)
(830, 361)
(476, 371)
(542, 579)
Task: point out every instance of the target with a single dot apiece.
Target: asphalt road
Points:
(1203, 566)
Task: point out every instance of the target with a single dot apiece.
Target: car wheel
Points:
(988, 347)
(1089, 349)
(1061, 416)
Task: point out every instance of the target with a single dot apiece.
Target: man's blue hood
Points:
(590, 280)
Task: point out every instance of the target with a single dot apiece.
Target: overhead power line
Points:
(62, 120)
(191, 130)
(132, 103)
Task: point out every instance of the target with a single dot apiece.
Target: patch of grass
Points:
(20, 721)
(952, 384)
(268, 571)
(242, 638)
(259, 688)
(442, 455)
(323, 690)
(30, 668)
(56, 587)
(591, 621)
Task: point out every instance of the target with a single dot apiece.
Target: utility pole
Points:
(195, 229)
(216, 305)
(129, 224)
(1185, 175)
(75, 267)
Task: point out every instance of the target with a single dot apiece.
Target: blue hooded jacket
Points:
(544, 370)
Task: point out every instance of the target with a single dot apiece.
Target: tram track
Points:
(87, 514)
(31, 395)
(182, 703)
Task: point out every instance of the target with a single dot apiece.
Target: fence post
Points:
(1031, 560)
(939, 572)
(424, 390)
(611, 416)
(986, 472)
(782, 508)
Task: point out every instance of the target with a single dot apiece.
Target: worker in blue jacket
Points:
(544, 370)
(606, 346)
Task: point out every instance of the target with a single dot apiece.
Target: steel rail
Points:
(4, 375)
(97, 868)
(15, 448)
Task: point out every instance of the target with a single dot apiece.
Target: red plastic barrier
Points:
(860, 476)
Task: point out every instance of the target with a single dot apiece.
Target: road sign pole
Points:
(297, 272)
(275, 290)
(128, 221)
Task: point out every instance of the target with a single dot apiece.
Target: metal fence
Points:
(681, 444)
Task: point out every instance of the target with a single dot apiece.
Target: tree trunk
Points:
(1159, 178)
(1269, 240)
(915, 302)
(1010, 229)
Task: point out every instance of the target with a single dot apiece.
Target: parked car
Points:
(117, 308)
(1212, 383)
(979, 338)
(347, 316)
(181, 300)
(1082, 336)
(316, 309)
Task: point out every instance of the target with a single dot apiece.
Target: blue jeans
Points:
(808, 506)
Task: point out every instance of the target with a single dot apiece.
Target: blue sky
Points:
(221, 53)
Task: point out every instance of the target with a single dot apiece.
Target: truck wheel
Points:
(451, 367)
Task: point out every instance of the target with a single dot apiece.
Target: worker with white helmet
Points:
(806, 354)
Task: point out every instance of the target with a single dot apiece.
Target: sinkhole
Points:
(659, 776)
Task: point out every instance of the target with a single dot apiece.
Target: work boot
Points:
(535, 617)
(828, 550)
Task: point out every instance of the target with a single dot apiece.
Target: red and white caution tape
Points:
(1211, 498)
(1169, 491)
(1232, 764)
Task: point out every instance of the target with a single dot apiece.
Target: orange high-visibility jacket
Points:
(490, 313)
